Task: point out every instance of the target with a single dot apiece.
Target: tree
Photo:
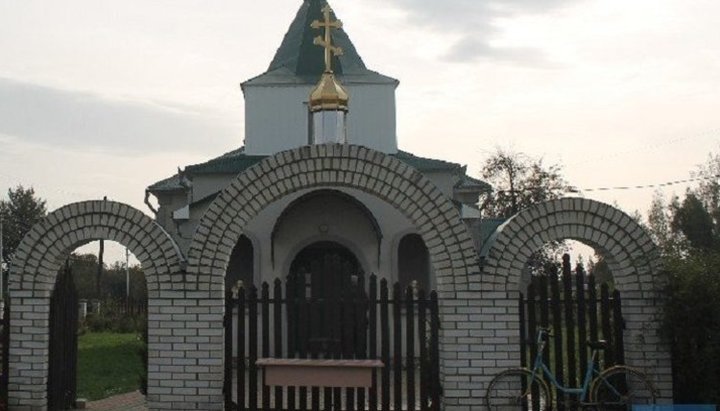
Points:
(692, 326)
(519, 182)
(19, 213)
(687, 230)
(694, 221)
(659, 221)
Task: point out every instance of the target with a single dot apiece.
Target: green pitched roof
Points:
(298, 60)
(233, 162)
(168, 184)
(424, 163)
(236, 161)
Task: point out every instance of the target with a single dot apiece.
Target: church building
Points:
(317, 90)
(320, 193)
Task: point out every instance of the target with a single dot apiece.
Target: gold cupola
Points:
(329, 100)
(329, 94)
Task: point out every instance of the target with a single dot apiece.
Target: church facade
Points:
(369, 234)
(320, 173)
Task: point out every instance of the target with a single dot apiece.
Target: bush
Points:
(114, 318)
(692, 326)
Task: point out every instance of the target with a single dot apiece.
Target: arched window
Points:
(413, 262)
(241, 265)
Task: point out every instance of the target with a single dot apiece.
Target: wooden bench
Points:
(301, 372)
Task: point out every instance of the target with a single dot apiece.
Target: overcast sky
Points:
(104, 97)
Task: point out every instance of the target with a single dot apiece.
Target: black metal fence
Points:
(577, 311)
(360, 323)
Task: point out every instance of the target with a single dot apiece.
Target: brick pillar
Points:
(185, 352)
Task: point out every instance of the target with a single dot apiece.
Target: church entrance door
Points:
(327, 277)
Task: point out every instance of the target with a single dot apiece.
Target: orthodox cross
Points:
(326, 42)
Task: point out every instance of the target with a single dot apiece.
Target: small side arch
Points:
(628, 249)
(37, 261)
(631, 256)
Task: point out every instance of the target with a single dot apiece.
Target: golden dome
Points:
(329, 94)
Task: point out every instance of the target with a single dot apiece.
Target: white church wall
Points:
(276, 117)
(393, 223)
(371, 120)
(208, 184)
(443, 180)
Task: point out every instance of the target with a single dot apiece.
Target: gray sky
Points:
(106, 97)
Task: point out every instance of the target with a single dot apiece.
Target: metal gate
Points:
(62, 378)
(399, 327)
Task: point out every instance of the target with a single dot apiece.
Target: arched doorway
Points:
(327, 269)
(327, 277)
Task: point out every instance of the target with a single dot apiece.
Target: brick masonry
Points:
(452, 251)
(32, 277)
(480, 331)
(629, 251)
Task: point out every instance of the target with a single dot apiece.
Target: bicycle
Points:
(615, 388)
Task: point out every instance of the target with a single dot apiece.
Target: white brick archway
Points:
(37, 261)
(629, 251)
(451, 249)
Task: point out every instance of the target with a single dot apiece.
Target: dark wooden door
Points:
(328, 277)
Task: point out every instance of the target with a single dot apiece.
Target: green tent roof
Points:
(298, 60)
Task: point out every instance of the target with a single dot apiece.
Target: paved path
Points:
(132, 401)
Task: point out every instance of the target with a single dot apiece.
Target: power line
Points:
(644, 186)
(577, 190)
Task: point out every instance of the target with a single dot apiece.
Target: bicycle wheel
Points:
(619, 387)
(517, 390)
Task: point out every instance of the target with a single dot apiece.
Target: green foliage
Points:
(693, 220)
(108, 364)
(84, 267)
(519, 182)
(692, 325)
(19, 213)
(113, 318)
(687, 232)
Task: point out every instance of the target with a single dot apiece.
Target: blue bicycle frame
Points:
(540, 369)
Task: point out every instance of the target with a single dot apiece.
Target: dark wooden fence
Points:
(132, 307)
(400, 328)
(577, 311)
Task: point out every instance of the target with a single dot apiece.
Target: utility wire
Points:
(643, 186)
(573, 189)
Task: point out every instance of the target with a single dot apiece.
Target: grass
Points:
(108, 364)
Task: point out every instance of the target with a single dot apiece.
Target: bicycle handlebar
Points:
(544, 330)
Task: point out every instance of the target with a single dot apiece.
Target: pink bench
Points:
(301, 372)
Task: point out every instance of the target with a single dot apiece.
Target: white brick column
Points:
(185, 352)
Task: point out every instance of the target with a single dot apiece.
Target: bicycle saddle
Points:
(598, 345)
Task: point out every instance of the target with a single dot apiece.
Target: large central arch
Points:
(325, 166)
